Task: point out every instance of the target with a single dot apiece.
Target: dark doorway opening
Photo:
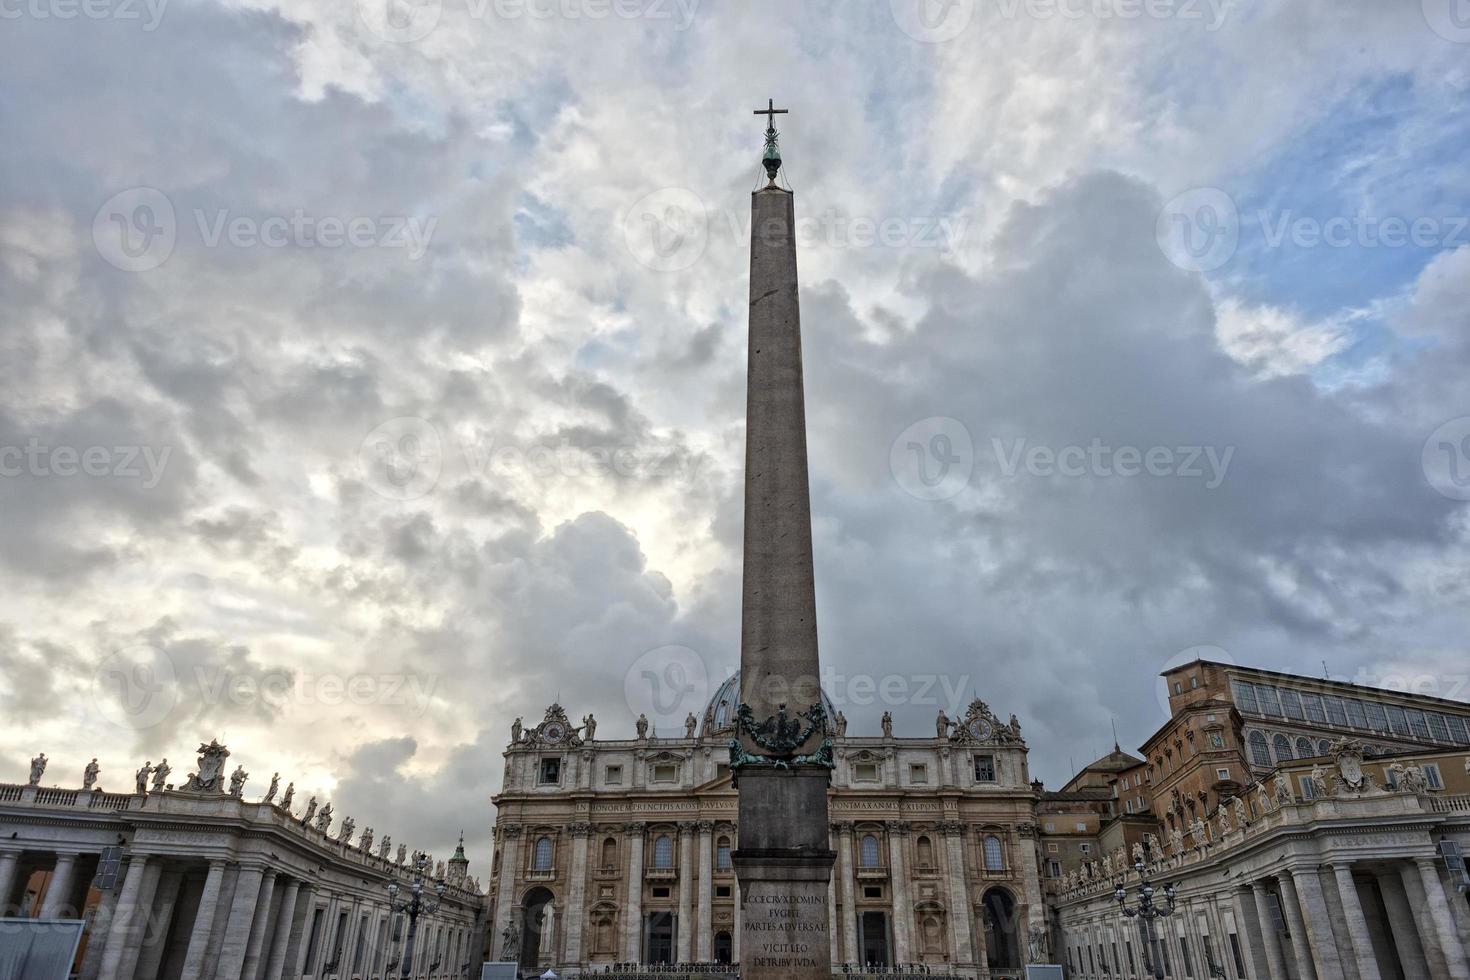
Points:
(873, 938)
(533, 921)
(723, 949)
(660, 937)
(1001, 947)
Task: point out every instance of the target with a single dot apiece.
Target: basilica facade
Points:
(617, 850)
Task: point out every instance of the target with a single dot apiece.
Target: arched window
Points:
(1324, 747)
(663, 851)
(1282, 747)
(994, 855)
(925, 849)
(868, 851)
(541, 860)
(1260, 752)
(1304, 748)
(610, 853)
(722, 854)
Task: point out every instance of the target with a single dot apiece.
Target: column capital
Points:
(634, 828)
(706, 827)
(843, 827)
(581, 829)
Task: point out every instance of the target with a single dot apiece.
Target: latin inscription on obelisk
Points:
(786, 927)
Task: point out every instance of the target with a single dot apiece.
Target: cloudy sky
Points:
(371, 375)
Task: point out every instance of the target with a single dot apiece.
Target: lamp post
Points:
(415, 905)
(1146, 911)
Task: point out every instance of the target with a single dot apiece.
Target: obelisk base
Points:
(786, 929)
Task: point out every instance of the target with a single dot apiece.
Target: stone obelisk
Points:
(781, 752)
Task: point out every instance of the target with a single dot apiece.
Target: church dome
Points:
(720, 712)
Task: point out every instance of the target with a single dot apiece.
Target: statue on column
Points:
(38, 769)
(287, 796)
(344, 836)
(590, 724)
(548, 929)
(516, 728)
(402, 854)
(841, 721)
(641, 725)
(89, 774)
(1319, 781)
(1284, 795)
(941, 724)
(237, 781)
(324, 819)
(160, 773)
(310, 812)
(1223, 815)
(270, 794)
(690, 723)
(140, 778)
(384, 847)
(887, 723)
(365, 844)
(1242, 814)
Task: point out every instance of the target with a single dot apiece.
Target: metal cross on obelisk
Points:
(781, 752)
(772, 157)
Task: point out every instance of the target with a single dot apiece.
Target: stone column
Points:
(1301, 945)
(199, 941)
(1318, 921)
(138, 929)
(9, 861)
(1441, 923)
(849, 903)
(683, 951)
(256, 943)
(59, 890)
(1250, 945)
(898, 879)
(156, 939)
(285, 920)
(1270, 938)
(125, 917)
(295, 963)
(97, 934)
(505, 891)
(1355, 922)
(633, 906)
(959, 894)
(1401, 924)
(574, 915)
(704, 923)
(238, 927)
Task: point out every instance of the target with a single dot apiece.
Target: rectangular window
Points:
(872, 891)
(660, 892)
(918, 773)
(315, 942)
(1418, 724)
(1357, 717)
(1269, 704)
(1431, 776)
(865, 772)
(1222, 773)
(1336, 713)
(722, 891)
(1184, 955)
(550, 772)
(1235, 954)
(1081, 827)
(665, 773)
(1459, 731)
(1309, 792)
(1085, 848)
(1054, 869)
(1397, 720)
(1245, 698)
(1312, 705)
(613, 775)
(984, 768)
(1377, 718)
(1438, 730)
(1051, 847)
(1291, 705)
